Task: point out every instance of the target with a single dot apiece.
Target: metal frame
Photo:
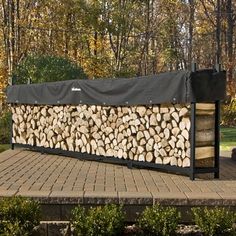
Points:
(216, 169)
(190, 171)
(217, 132)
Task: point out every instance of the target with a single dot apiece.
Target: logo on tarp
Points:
(75, 89)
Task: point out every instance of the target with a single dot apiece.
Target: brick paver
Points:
(65, 179)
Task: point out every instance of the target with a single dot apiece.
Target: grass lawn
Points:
(228, 138)
(4, 147)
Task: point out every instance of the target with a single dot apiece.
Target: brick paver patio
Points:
(57, 179)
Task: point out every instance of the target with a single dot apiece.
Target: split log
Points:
(173, 161)
(183, 111)
(158, 160)
(205, 106)
(151, 134)
(149, 157)
(204, 152)
(180, 162)
(205, 137)
(186, 162)
(175, 116)
(166, 160)
(205, 122)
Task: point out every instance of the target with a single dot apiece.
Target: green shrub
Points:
(157, 220)
(5, 128)
(79, 221)
(44, 68)
(107, 220)
(216, 221)
(18, 216)
(228, 117)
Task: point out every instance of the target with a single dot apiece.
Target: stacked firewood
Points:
(158, 133)
(205, 135)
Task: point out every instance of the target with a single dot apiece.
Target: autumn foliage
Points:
(117, 38)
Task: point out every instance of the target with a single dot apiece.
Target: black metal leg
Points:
(193, 124)
(192, 176)
(12, 144)
(217, 139)
(129, 165)
(217, 175)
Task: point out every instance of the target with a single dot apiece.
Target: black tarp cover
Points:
(169, 87)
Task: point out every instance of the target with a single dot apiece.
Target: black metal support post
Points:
(192, 133)
(217, 134)
(192, 140)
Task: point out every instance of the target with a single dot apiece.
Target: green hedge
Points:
(216, 221)
(158, 220)
(105, 220)
(5, 128)
(18, 216)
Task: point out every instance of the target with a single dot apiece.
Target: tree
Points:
(40, 69)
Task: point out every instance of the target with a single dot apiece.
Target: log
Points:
(166, 117)
(174, 123)
(167, 133)
(139, 135)
(180, 144)
(183, 111)
(205, 112)
(175, 116)
(173, 161)
(163, 124)
(172, 143)
(186, 162)
(146, 134)
(175, 131)
(185, 134)
(182, 125)
(151, 141)
(180, 162)
(205, 137)
(205, 106)
(141, 110)
(141, 157)
(153, 120)
(164, 109)
(148, 147)
(187, 123)
(149, 157)
(158, 160)
(166, 160)
(155, 109)
(204, 152)
(158, 117)
(205, 122)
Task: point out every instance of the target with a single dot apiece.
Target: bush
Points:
(5, 128)
(18, 216)
(157, 220)
(107, 220)
(46, 69)
(228, 117)
(78, 221)
(216, 221)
